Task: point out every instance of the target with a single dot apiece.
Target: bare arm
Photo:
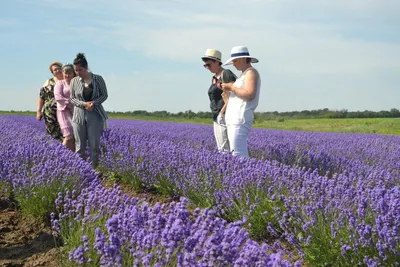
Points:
(223, 109)
(39, 109)
(248, 92)
(225, 96)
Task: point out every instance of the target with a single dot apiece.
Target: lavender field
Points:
(302, 199)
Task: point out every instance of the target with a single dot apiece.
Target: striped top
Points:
(98, 97)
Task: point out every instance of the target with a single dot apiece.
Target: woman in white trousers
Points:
(212, 62)
(244, 95)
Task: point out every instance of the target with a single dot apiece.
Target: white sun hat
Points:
(212, 54)
(240, 52)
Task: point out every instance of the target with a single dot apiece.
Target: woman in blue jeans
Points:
(243, 100)
(88, 92)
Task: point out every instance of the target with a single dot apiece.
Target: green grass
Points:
(354, 125)
(195, 120)
(368, 125)
(27, 113)
(38, 200)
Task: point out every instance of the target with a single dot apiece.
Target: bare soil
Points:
(24, 241)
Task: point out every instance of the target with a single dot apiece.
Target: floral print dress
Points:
(50, 109)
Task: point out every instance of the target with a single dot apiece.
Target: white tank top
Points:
(239, 110)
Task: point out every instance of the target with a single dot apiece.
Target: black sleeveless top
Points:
(216, 101)
(88, 92)
(215, 93)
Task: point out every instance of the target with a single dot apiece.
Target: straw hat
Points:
(212, 54)
(240, 52)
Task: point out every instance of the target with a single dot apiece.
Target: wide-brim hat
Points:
(240, 52)
(212, 54)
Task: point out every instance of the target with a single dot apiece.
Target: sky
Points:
(313, 54)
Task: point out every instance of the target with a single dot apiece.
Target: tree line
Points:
(304, 114)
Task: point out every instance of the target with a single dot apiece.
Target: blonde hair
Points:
(68, 68)
(54, 63)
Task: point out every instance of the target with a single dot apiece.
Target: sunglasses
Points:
(57, 69)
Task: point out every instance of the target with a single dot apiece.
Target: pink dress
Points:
(64, 108)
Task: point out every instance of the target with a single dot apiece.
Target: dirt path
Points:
(24, 242)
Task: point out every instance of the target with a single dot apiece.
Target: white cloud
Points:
(287, 48)
(63, 5)
(313, 53)
(7, 22)
(295, 45)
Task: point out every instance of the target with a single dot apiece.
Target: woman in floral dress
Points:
(48, 104)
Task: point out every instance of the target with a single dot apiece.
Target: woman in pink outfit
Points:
(64, 107)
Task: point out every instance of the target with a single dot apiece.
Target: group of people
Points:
(233, 99)
(71, 104)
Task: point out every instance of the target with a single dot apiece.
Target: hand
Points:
(39, 115)
(89, 105)
(221, 119)
(227, 86)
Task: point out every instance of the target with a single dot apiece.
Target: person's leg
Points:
(68, 130)
(232, 136)
(65, 120)
(95, 128)
(237, 135)
(221, 137)
(80, 135)
(226, 146)
(69, 142)
(242, 146)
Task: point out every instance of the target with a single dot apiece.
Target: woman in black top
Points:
(218, 101)
(88, 92)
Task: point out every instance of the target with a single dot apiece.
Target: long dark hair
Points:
(81, 61)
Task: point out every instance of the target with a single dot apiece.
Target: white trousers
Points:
(221, 137)
(237, 135)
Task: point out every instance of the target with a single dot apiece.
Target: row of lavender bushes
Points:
(334, 197)
(102, 226)
(33, 167)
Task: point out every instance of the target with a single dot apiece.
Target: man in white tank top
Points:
(244, 95)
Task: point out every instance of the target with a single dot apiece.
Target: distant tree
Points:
(140, 113)
(162, 113)
(189, 114)
(395, 113)
(263, 116)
